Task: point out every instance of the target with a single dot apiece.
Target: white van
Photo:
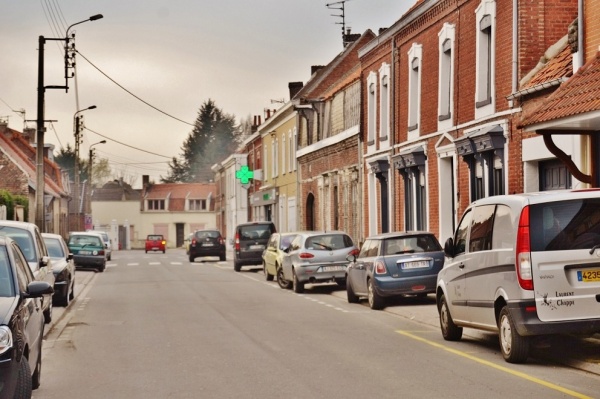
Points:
(523, 265)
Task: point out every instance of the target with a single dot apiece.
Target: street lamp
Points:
(90, 166)
(77, 127)
(40, 214)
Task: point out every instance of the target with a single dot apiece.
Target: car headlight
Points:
(6, 341)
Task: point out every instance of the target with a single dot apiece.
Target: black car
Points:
(207, 243)
(250, 241)
(63, 268)
(21, 323)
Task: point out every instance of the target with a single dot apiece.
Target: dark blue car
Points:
(394, 264)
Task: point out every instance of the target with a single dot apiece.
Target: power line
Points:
(130, 93)
(126, 145)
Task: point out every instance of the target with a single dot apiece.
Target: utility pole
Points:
(40, 208)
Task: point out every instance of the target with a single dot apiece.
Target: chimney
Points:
(294, 88)
(30, 134)
(315, 68)
(3, 126)
(350, 37)
(145, 180)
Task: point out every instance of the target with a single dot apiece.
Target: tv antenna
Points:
(340, 6)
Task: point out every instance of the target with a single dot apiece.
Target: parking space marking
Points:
(496, 366)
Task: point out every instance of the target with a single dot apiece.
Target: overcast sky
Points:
(171, 54)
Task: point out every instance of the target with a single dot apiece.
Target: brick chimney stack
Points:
(294, 88)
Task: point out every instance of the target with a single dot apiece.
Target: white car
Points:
(107, 243)
(523, 265)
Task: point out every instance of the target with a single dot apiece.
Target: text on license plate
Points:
(208, 244)
(418, 264)
(588, 275)
(85, 252)
(332, 268)
(260, 247)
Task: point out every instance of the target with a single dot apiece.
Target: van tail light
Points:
(354, 252)
(305, 255)
(380, 267)
(523, 252)
(221, 241)
(237, 241)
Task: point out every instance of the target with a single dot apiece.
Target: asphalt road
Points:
(156, 326)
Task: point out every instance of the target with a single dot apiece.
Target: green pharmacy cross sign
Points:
(244, 174)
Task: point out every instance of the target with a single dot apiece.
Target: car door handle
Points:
(461, 266)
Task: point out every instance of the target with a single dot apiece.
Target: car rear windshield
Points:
(564, 225)
(254, 232)
(207, 234)
(80, 241)
(329, 242)
(411, 244)
(155, 237)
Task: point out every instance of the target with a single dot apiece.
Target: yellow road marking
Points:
(498, 367)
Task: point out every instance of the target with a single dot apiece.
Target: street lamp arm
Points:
(92, 18)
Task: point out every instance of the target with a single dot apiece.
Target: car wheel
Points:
(101, 268)
(192, 258)
(36, 378)
(297, 285)
(237, 266)
(376, 302)
(341, 282)
(450, 331)
(222, 257)
(352, 297)
(268, 276)
(514, 347)
(146, 251)
(72, 294)
(23, 388)
(48, 313)
(283, 283)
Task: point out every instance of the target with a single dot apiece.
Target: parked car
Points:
(156, 242)
(317, 257)
(88, 249)
(21, 322)
(249, 243)
(107, 243)
(207, 242)
(273, 256)
(29, 238)
(63, 268)
(523, 265)
(392, 265)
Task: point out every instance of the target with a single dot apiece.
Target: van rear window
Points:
(565, 225)
(255, 232)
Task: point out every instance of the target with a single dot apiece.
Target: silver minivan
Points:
(523, 265)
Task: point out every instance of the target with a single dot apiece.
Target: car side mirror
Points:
(70, 256)
(449, 248)
(44, 261)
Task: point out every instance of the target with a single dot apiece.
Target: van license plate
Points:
(256, 247)
(419, 264)
(588, 276)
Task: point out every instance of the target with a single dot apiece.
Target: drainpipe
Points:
(515, 50)
(580, 49)
(392, 175)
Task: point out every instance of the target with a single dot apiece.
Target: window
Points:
(481, 228)
(485, 58)
(283, 154)
(197, 205)
(414, 89)
(460, 238)
(384, 108)
(446, 73)
(371, 110)
(156, 205)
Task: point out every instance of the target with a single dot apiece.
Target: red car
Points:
(156, 242)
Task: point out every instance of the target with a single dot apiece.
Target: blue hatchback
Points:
(394, 264)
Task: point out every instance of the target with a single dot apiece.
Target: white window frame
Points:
(274, 157)
(446, 45)
(415, 57)
(371, 108)
(485, 58)
(384, 104)
(283, 155)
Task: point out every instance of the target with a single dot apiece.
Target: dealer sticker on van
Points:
(588, 275)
